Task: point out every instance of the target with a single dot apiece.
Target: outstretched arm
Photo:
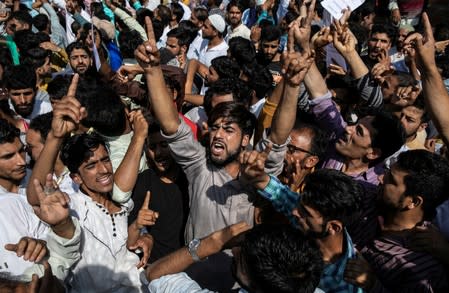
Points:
(148, 57)
(435, 93)
(181, 259)
(67, 114)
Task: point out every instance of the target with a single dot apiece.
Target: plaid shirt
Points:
(284, 201)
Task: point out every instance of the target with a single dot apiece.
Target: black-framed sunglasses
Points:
(293, 149)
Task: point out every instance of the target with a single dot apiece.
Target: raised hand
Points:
(146, 217)
(424, 45)
(336, 69)
(147, 54)
(53, 206)
(67, 113)
(344, 41)
(294, 64)
(31, 249)
(252, 164)
(302, 25)
(321, 38)
(139, 124)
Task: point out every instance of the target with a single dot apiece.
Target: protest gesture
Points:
(424, 45)
(301, 27)
(146, 217)
(147, 54)
(321, 38)
(53, 206)
(139, 124)
(68, 112)
(252, 164)
(145, 243)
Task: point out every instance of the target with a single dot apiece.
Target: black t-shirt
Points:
(170, 200)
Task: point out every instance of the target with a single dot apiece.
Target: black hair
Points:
(41, 22)
(335, 195)
(281, 259)
(20, 77)
(420, 103)
(201, 13)
(77, 45)
(26, 40)
(8, 132)
(242, 50)
(58, 86)
(441, 32)
(164, 14)
(261, 81)
(225, 67)
(223, 86)
(427, 176)
(319, 141)
(385, 28)
(105, 110)
(128, 41)
(177, 11)
(181, 36)
(389, 135)
(236, 3)
(78, 149)
(35, 57)
(234, 112)
(42, 124)
(270, 34)
(189, 28)
(158, 28)
(22, 17)
(97, 10)
(142, 13)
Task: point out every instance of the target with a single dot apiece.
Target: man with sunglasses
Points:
(306, 149)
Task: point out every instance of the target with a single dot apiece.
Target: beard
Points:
(232, 156)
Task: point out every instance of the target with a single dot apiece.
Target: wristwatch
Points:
(193, 248)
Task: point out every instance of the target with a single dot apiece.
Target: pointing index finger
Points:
(149, 29)
(146, 202)
(73, 85)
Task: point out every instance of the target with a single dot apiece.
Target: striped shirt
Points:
(400, 269)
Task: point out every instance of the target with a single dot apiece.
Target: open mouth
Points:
(217, 148)
(105, 180)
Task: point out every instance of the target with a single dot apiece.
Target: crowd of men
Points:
(223, 146)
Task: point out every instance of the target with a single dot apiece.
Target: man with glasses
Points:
(307, 147)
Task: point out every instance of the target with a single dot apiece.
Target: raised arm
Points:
(434, 91)
(126, 174)
(148, 57)
(66, 116)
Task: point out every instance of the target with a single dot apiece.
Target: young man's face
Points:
(23, 100)
(34, 144)
(195, 20)
(270, 49)
(225, 141)
(13, 26)
(234, 16)
(377, 43)
(208, 30)
(172, 45)
(95, 175)
(310, 221)
(158, 153)
(411, 120)
(356, 142)
(12, 161)
(393, 188)
(80, 61)
(45, 70)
